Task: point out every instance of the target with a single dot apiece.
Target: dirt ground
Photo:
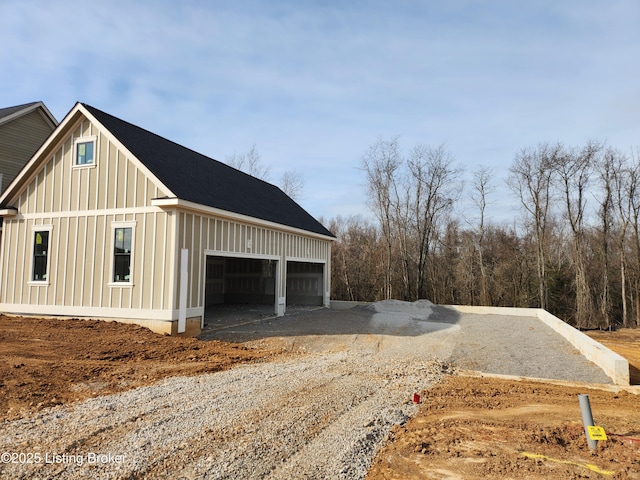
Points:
(466, 427)
(478, 428)
(47, 362)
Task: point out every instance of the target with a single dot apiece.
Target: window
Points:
(122, 254)
(40, 256)
(84, 152)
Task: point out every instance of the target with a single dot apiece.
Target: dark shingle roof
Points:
(194, 177)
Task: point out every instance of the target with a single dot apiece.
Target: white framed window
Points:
(122, 248)
(85, 150)
(40, 254)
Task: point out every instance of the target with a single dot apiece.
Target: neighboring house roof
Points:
(10, 113)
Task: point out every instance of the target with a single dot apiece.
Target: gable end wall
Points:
(79, 205)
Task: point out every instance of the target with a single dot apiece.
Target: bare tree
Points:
(481, 188)
(437, 187)
(625, 184)
(609, 170)
(634, 200)
(250, 163)
(292, 183)
(530, 178)
(380, 164)
(355, 259)
(401, 201)
(574, 170)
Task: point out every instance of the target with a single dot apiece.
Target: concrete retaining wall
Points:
(614, 365)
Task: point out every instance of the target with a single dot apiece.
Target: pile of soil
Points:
(47, 362)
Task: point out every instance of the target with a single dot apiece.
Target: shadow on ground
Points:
(241, 323)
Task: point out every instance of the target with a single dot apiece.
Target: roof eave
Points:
(8, 212)
(197, 207)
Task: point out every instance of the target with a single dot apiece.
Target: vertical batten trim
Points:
(115, 183)
(66, 258)
(96, 194)
(104, 250)
(66, 190)
(53, 181)
(126, 182)
(25, 281)
(165, 217)
(153, 261)
(135, 187)
(107, 165)
(84, 259)
(73, 273)
(13, 284)
(235, 237)
(93, 258)
(174, 260)
(54, 278)
(191, 253)
(44, 187)
(27, 204)
(3, 274)
(78, 186)
(200, 250)
(86, 203)
(25, 246)
(141, 283)
(208, 247)
(70, 182)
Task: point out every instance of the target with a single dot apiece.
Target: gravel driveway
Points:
(321, 412)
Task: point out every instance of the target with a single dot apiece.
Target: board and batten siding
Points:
(78, 205)
(209, 235)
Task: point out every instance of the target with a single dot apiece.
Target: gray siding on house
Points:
(19, 140)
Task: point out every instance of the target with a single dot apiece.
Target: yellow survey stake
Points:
(597, 433)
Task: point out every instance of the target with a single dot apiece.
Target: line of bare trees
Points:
(574, 250)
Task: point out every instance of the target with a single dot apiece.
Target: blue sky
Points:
(314, 83)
